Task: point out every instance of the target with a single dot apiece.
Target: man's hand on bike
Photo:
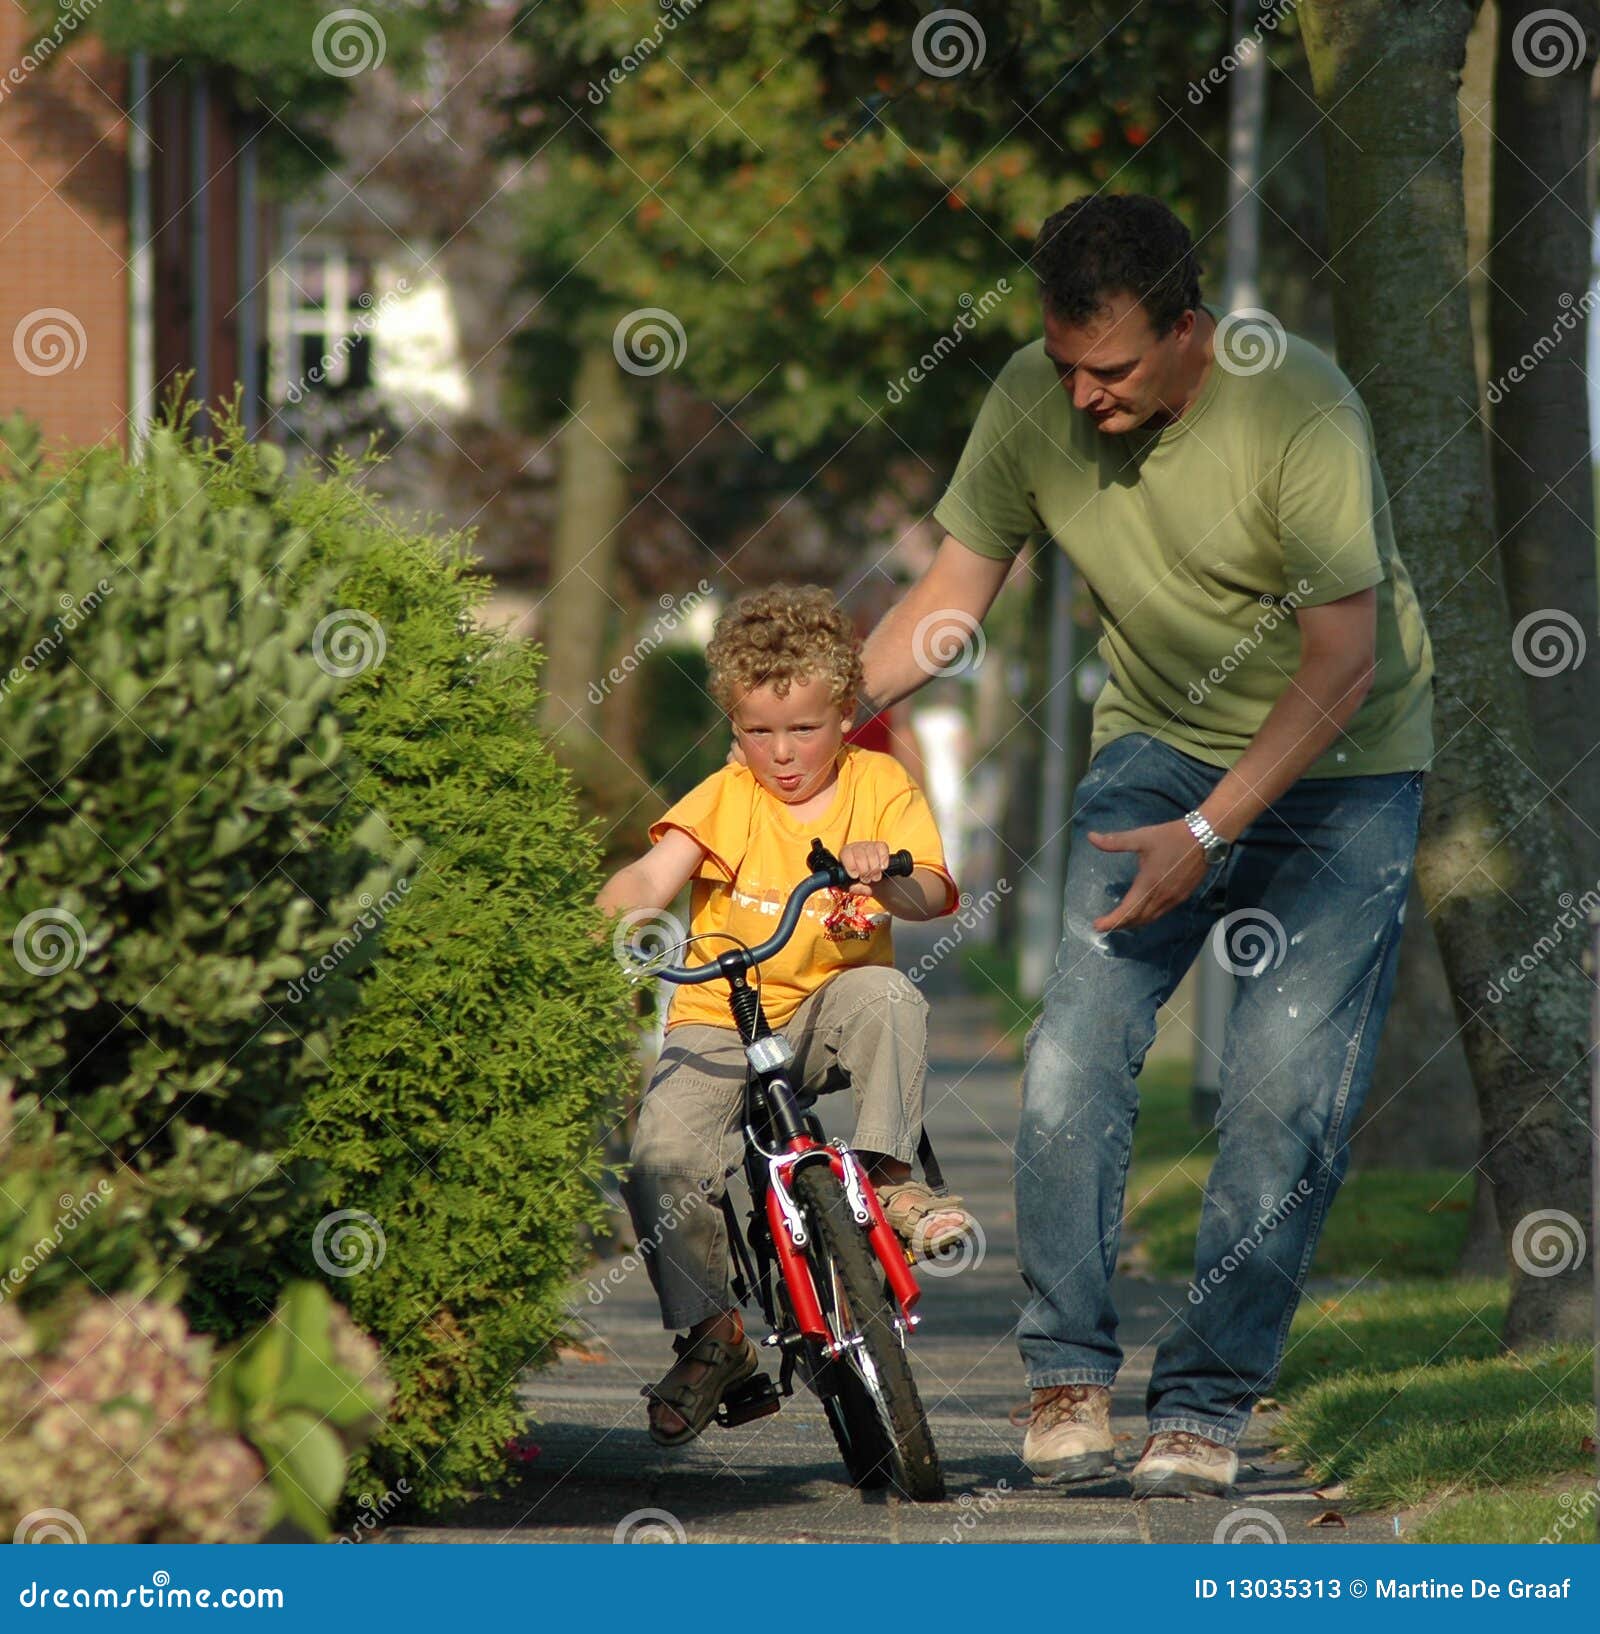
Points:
(866, 860)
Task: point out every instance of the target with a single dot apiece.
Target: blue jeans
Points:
(1306, 910)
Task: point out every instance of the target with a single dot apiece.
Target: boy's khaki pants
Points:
(866, 1027)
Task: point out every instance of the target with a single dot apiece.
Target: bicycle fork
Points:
(789, 1235)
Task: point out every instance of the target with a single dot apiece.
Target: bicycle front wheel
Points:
(868, 1393)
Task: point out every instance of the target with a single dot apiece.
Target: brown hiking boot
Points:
(1175, 1463)
(1069, 1433)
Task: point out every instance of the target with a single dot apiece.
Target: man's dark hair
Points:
(1105, 244)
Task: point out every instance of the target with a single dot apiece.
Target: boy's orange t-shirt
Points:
(755, 855)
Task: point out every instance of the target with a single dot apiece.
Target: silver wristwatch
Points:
(1211, 842)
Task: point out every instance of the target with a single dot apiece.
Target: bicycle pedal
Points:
(756, 1397)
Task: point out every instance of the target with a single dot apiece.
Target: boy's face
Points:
(792, 742)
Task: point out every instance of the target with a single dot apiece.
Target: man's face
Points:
(1113, 367)
(791, 742)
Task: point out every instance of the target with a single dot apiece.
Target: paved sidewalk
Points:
(780, 1479)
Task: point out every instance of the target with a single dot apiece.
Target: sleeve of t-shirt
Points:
(986, 506)
(1325, 499)
(716, 813)
(906, 823)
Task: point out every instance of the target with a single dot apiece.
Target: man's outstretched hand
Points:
(1171, 867)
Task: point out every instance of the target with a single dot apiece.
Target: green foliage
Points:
(462, 1111)
(178, 840)
(61, 1227)
(787, 181)
(305, 1390)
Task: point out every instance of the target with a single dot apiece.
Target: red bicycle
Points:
(819, 1258)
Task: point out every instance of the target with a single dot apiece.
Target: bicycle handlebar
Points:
(829, 871)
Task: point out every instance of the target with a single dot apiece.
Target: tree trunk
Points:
(1492, 851)
(1543, 485)
(593, 496)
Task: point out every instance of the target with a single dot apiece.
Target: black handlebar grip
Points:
(900, 865)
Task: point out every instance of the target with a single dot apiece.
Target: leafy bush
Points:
(177, 843)
(111, 1438)
(60, 1227)
(120, 1428)
(306, 1390)
(460, 1119)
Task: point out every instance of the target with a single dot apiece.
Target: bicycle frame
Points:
(772, 1107)
(781, 1136)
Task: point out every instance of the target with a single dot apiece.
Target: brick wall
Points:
(63, 234)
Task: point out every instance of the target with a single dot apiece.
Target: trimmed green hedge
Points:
(175, 840)
(462, 1119)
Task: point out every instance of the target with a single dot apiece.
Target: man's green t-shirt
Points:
(1199, 540)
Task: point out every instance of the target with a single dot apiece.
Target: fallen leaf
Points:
(1328, 1517)
(1126, 1435)
(1267, 1404)
(578, 1353)
(1588, 1445)
(1333, 1492)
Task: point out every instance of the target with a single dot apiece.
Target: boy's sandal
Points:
(908, 1203)
(695, 1401)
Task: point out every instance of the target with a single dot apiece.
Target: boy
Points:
(785, 665)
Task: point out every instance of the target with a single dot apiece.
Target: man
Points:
(1258, 757)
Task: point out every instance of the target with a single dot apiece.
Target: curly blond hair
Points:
(779, 636)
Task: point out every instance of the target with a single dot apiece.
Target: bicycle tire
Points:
(873, 1406)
